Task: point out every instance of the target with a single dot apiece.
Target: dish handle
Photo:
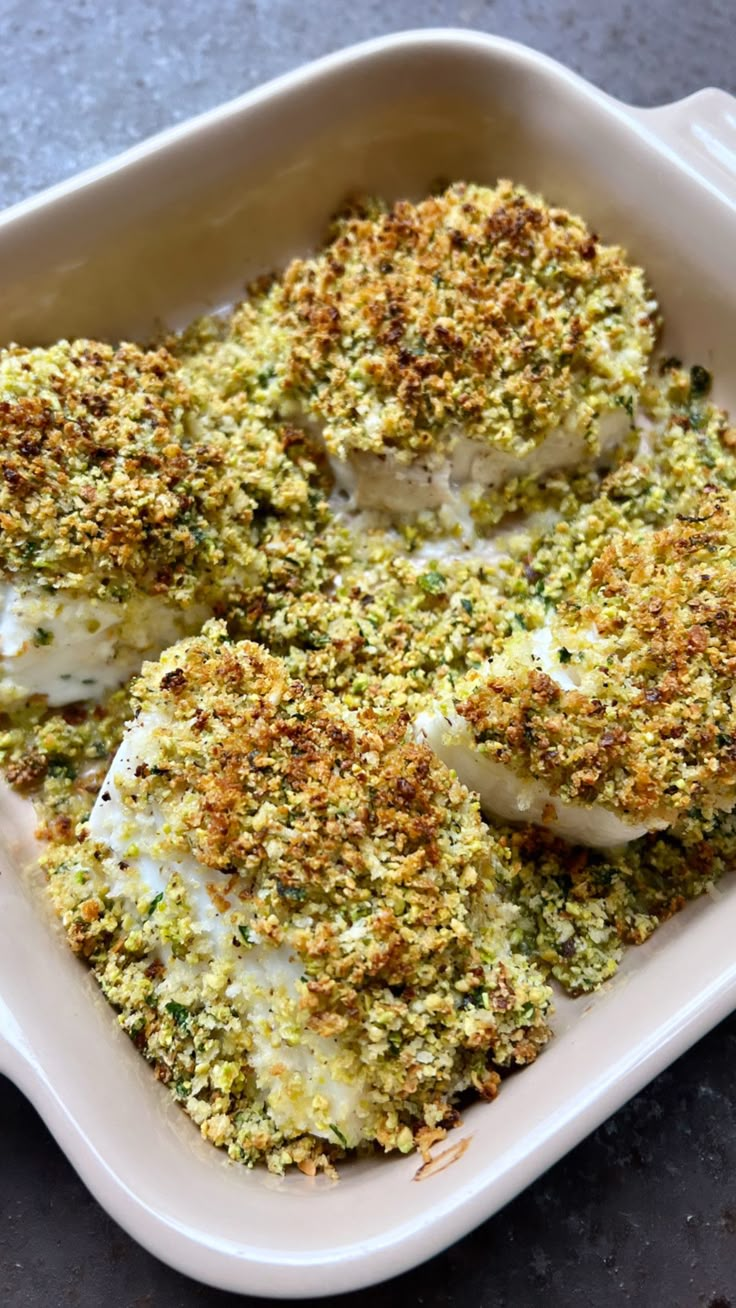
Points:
(701, 130)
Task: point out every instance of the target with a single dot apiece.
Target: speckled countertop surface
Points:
(642, 1213)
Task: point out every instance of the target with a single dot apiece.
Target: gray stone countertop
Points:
(642, 1213)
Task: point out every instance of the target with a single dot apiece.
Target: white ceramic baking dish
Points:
(176, 226)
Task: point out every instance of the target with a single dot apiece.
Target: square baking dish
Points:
(176, 227)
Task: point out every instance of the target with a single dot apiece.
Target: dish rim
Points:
(366, 1262)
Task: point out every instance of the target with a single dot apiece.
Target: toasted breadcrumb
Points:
(103, 487)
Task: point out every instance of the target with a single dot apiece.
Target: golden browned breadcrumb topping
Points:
(333, 840)
(102, 485)
(485, 311)
(332, 811)
(652, 730)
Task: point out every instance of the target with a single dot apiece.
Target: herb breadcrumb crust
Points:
(472, 339)
(425, 476)
(629, 715)
(102, 487)
(482, 308)
(130, 482)
(313, 891)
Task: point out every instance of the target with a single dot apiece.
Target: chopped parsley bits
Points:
(433, 583)
(700, 381)
(179, 1013)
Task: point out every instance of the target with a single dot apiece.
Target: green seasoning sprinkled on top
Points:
(319, 810)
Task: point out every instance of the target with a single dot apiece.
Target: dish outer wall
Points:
(173, 228)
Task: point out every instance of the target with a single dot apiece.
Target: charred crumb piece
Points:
(27, 772)
(174, 680)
